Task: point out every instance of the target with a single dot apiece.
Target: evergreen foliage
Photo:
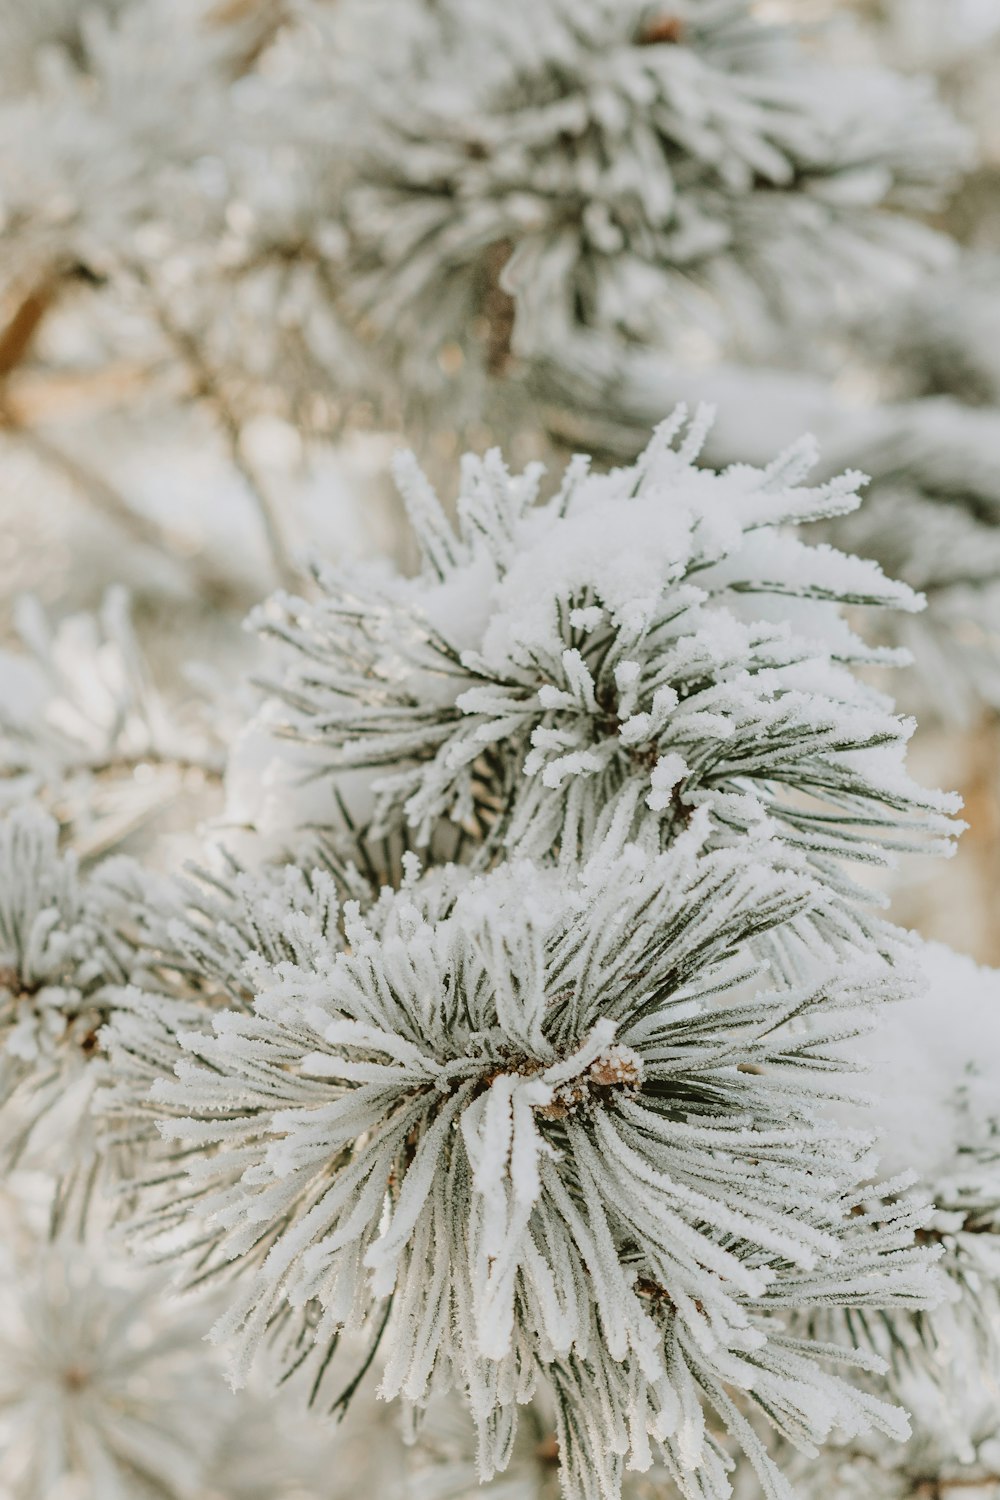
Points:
(492, 1004)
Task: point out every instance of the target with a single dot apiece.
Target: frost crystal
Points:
(525, 1125)
(87, 731)
(608, 174)
(502, 1050)
(107, 1390)
(62, 953)
(935, 1078)
(653, 635)
(103, 1393)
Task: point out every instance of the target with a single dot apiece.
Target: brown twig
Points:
(547, 1451)
(936, 1487)
(19, 334)
(669, 29)
(262, 19)
(208, 388)
(16, 340)
(499, 309)
(110, 501)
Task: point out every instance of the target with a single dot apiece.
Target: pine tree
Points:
(555, 1056)
(105, 1388)
(547, 242)
(524, 1065)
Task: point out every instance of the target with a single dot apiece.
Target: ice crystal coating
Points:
(562, 1135)
(654, 633)
(104, 1393)
(63, 952)
(526, 1124)
(107, 1390)
(87, 731)
(931, 519)
(935, 1083)
(466, 191)
(613, 173)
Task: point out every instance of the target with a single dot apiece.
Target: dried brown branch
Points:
(19, 334)
(105, 498)
(937, 1487)
(669, 29)
(261, 21)
(207, 387)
